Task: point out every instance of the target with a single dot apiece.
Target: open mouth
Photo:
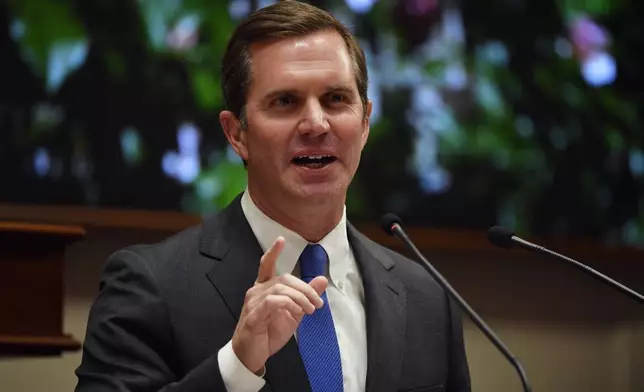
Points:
(314, 162)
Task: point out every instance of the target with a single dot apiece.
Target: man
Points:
(324, 308)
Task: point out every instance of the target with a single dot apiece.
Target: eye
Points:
(284, 100)
(337, 98)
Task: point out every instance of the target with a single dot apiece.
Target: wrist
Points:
(256, 366)
(235, 375)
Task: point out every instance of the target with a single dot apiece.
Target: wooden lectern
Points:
(32, 288)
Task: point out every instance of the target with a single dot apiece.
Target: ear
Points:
(234, 133)
(366, 123)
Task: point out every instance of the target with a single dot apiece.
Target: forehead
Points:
(321, 57)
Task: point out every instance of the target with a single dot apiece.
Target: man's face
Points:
(306, 126)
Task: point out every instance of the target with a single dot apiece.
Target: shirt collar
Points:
(266, 230)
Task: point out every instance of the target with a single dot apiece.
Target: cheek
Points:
(349, 131)
(269, 141)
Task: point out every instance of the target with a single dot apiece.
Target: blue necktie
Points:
(316, 336)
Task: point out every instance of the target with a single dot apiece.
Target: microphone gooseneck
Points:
(392, 225)
(506, 239)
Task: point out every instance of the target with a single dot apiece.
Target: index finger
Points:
(267, 269)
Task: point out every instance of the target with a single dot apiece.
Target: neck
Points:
(312, 221)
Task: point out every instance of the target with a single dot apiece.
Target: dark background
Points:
(483, 111)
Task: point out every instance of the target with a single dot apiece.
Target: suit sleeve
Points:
(459, 374)
(128, 344)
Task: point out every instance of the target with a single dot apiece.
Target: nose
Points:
(314, 120)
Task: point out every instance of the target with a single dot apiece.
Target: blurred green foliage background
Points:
(525, 113)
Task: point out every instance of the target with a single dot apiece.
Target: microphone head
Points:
(388, 221)
(501, 237)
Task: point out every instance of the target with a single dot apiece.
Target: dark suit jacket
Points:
(164, 311)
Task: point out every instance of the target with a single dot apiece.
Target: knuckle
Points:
(250, 294)
(270, 300)
(281, 281)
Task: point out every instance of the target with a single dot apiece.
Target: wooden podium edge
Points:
(44, 345)
(106, 218)
(427, 239)
(55, 230)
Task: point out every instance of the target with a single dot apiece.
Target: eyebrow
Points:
(340, 88)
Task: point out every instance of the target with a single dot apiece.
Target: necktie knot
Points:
(313, 261)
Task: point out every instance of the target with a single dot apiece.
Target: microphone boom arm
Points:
(597, 275)
(397, 230)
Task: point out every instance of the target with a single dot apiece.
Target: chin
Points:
(322, 192)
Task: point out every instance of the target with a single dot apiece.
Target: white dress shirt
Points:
(345, 295)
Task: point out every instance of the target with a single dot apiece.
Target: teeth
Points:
(314, 157)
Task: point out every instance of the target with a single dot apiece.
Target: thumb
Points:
(319, 284)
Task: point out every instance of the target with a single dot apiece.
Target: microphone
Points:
(392, 225)
(505, 238)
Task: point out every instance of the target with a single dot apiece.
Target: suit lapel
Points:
(385, 313)
(229, 240)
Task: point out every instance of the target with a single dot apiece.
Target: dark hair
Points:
(281, 20)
